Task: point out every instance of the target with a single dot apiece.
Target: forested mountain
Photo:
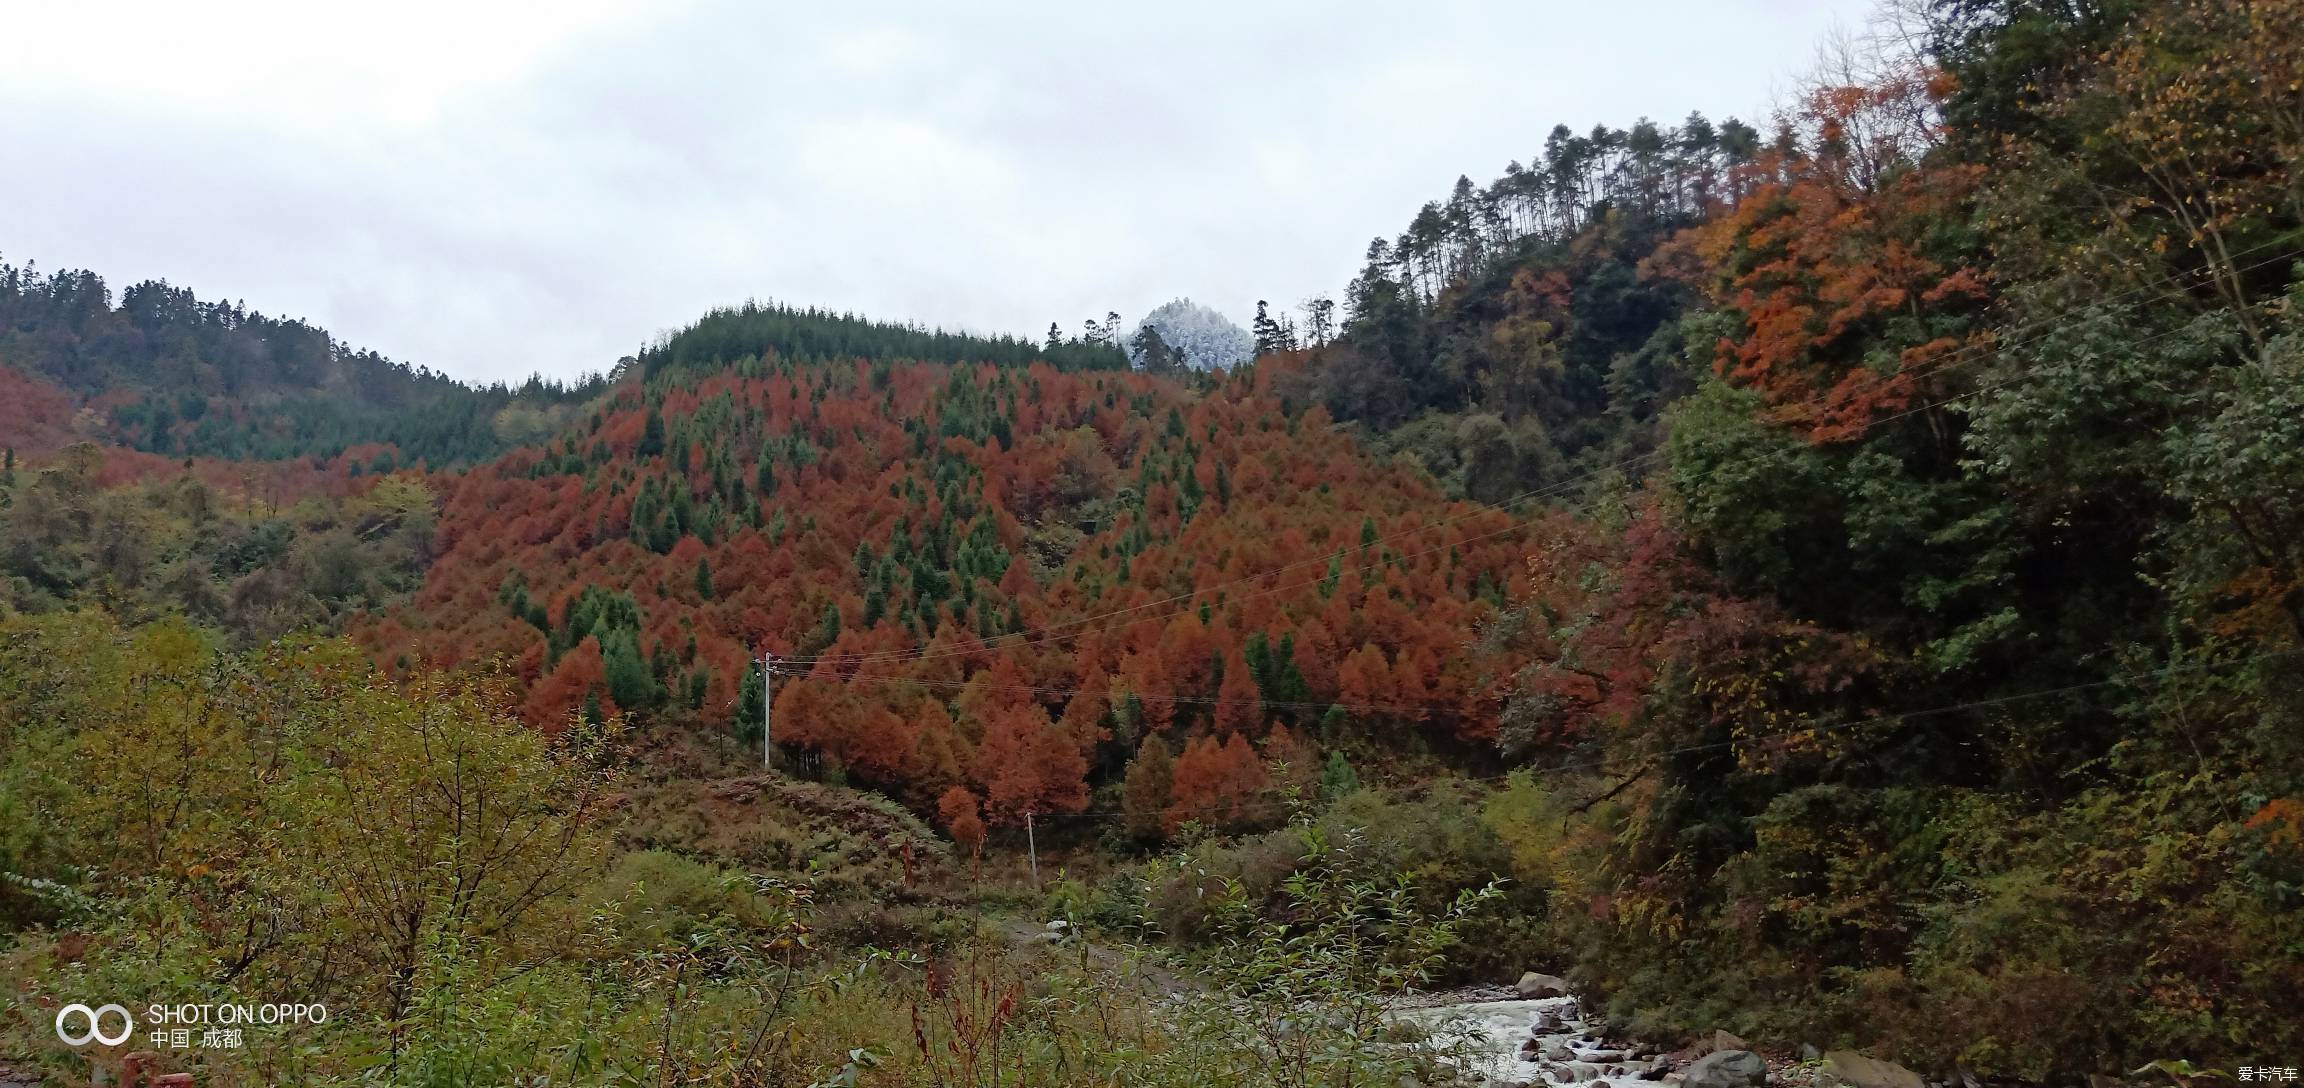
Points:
(1512, 337)
(1848, 581)
(799, 335)
(168, 373)
(911, 537)
(257, 552)
(1944, 667)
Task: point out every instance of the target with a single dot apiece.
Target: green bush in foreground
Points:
(295, 827)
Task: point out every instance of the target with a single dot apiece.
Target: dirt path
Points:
(1077, 947)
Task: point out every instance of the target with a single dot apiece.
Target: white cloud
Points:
(292, 60)
(491, 188)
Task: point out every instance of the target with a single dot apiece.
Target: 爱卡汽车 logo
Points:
(91, 1025)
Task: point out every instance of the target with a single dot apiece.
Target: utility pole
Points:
(767, 710)
(1032, 846)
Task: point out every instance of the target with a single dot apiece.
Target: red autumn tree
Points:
(1819, 267)
(958, 809)
(829, 531)
(1364, 683)
(1218, 784)
(580, 672)
(1027, 764)
(1239, 706)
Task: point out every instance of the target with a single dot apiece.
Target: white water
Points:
(1493, 1031)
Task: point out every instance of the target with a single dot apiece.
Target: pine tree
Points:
(749, 695)
(630, 681)
(1338, 778)
(826, 633)
(651, 435)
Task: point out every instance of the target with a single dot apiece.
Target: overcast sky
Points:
(493, 189)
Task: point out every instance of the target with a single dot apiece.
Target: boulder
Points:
(1536, 984)
(1561, 1054)
(1853, 1069)
(1727, 1069)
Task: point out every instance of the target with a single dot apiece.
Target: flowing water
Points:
(1568, 1050)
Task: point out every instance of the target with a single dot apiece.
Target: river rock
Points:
(1850, 1068)
(1561, 1054)
(1535, 984)
(1727, 1069)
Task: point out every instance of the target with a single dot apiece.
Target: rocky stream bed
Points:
(1537, 1034)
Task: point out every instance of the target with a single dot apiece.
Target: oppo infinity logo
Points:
(94, 1020)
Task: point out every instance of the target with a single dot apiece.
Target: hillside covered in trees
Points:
(162, 371)
(805, 336)
(938, 551)
(1843, 576)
